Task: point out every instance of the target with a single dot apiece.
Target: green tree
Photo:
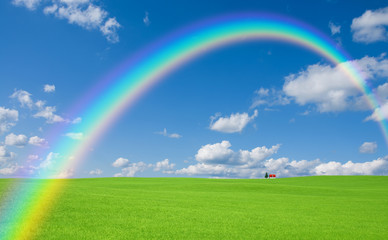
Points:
(266, 175)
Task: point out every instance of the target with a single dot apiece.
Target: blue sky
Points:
(237, 112)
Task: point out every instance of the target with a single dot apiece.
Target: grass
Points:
(327, 207)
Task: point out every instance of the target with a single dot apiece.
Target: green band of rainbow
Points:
(159, 61)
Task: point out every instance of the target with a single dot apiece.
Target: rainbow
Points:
(116, 94)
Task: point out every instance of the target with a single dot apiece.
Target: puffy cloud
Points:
(29, 4)
(371, 26)
(378, 166)
(235, 123)
(270, 97)
(16, 140)
(220, 153)
(163, 165)
(9, 170)
(24, 98)
(170, 135)
(5, 154)
(37, 141)
(95, 172)
(109, 29)
(368, 147)
(379, 113)
(68, 173)
(215, 153)
(49, 88)
(75, 136)
(255, 163)
(8, 117)
(330, 89)
(335, 29)
(49, 114)
(87, 15)
(120, 162)
(146, 19)
(32, 157)
(132, 169)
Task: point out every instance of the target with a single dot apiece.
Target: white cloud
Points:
(132, 169)
(24, 98)
(378, 166)
(120, 162)
(95, 172)
(68, 173)
(368, 147)
(49, 114)
(76, 120)
(371, 26)
(9, 170)
(49, 161)
(330, 89)
(146, 19)
(164, 165)
(220, 153)
(335, 29)
(32, 157)
(16, 140)
(37, 141)
(86, 15)
(235, 123)
(75, 136)
(29, 4)
(270, 97)
(5, 154)
(109, 29)
(218, 160)
(49, 88)
(379, 113)
(8, 117)
(170, 135)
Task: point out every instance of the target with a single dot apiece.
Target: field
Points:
(329, 207)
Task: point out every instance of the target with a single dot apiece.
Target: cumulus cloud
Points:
(132, 169)
(218, 160)
(48, 88)
(270, 97)
(146, 19)
(120, 162)
(164, 166)
(368, 147)
(48, 113)
(96, 172)
(37, 141)
(335, 29)
(9, 170)
(378, 166)
(379, 113)
(85, 14)
(371, 26)
(170, 135)
(330, 89)
(75, 136)
(29, 4)
(16, 140)
(5, 155)
(24, 98)
(8, 117)
(68, 173)
(234, 123)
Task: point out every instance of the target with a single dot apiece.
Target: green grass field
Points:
(329, 207)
